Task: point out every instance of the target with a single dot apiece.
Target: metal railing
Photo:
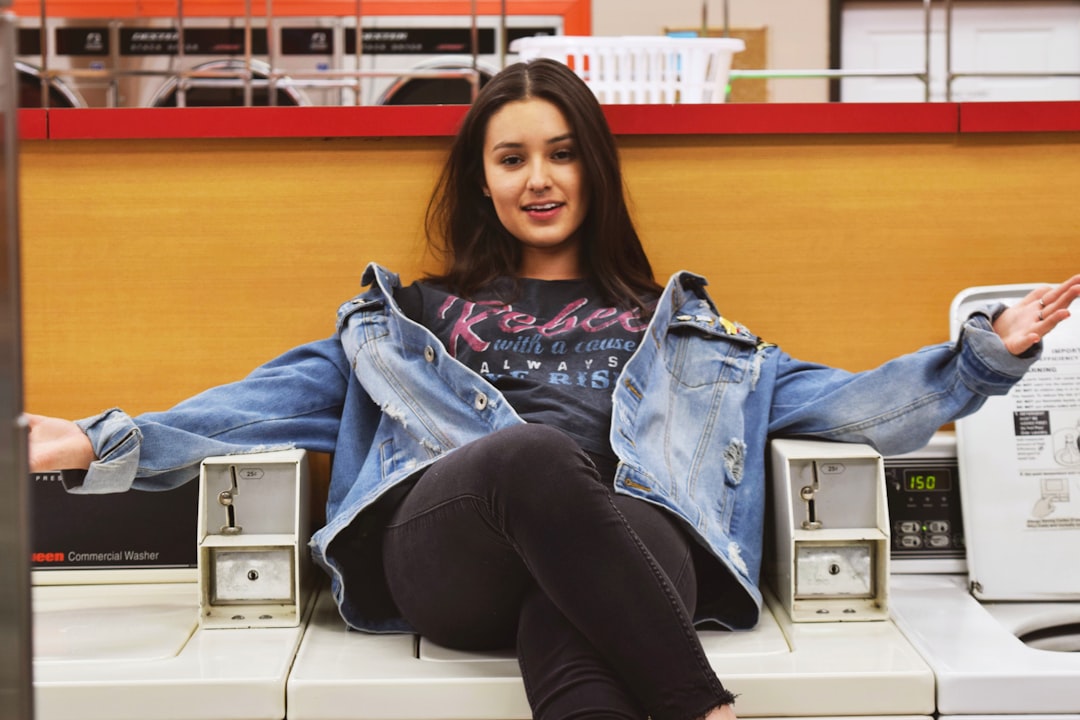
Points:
(246, 72)
(249, 77)
(922, 74)
(350, 79)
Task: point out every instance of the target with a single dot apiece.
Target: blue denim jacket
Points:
(693, 409)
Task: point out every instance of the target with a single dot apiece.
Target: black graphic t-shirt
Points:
(553, 348)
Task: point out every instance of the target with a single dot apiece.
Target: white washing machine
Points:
(37, 91)
(120, 617)
(135, 651)
(38, 87)
(403, 59)
(287, 60)
(859, 668)
(1002, 630)
(136, 62)
(225, 62)
(441, 43)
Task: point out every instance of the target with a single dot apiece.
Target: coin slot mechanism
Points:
(827, 554)
(253, 559)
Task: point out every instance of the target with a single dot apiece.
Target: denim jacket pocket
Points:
(700, 352)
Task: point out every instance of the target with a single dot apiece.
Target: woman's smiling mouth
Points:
(543, 210)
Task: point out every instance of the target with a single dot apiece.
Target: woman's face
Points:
(535, 179)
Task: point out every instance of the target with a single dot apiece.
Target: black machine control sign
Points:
(121, 530)
(432, 41)
(197, 41)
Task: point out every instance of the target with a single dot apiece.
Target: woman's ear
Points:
(484, 189)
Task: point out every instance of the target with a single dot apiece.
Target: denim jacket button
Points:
(481, 401)
(429, 354)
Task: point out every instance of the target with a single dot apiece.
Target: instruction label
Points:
(1046, 423)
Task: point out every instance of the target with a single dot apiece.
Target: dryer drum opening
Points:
(408, 90)
(1058, 638)
(30, 90)
(227, 91)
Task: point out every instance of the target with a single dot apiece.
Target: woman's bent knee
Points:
(543, 464)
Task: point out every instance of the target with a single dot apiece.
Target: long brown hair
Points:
(463, 229)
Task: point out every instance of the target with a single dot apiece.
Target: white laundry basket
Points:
(635, 70)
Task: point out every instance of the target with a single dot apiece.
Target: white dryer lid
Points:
(1019, 463)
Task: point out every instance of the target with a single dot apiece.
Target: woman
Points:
(543, 446)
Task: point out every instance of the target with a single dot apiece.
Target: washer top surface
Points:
(981, 665)
(136, 652)
(778, 670)
(104, 623)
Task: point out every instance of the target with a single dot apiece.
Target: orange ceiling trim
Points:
(577, 14)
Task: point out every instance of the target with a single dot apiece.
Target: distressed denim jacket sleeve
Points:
(898, 406)
(293, 400)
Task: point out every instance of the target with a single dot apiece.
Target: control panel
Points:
(120, 537)
(924, 505)
(926, 516)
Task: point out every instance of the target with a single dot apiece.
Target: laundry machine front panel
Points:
(139, 62)
(79, 539)
(311, 51)
(64, 65)
(128, 644)
(221, 62)
(1001, 660)
(779, 669)
(400, 60)
(396, 45)
(136, 58)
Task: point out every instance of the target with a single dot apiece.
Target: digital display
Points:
(928, 480)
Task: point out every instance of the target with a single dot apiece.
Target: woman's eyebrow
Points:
(514, 144)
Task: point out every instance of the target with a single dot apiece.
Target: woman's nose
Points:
(539, 178)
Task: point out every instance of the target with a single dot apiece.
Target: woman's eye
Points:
(510, 160)
(564, 154)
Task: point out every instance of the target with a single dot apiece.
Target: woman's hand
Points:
(1026, 322)
(57, 444)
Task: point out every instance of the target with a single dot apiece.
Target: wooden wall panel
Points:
(153, 269)
(850, 250)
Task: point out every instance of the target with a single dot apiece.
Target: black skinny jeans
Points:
(517, 538)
